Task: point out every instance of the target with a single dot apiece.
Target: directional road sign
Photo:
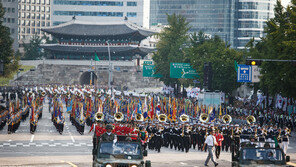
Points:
(244, 73)
(182, 70)
(149, 71)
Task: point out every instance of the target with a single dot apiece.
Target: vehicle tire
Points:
(148, 163)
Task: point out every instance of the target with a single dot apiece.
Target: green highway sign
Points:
(149, 71)
(147, 63)
(182, 70)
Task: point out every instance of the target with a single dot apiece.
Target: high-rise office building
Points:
(232, 20)
(251, 18)
(97, 11)
(10, 19)
(33, 15)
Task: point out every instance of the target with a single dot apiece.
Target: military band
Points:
(88, 106)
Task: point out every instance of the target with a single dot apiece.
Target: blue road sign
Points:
(244, 73)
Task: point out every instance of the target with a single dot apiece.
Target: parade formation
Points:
(155, 120)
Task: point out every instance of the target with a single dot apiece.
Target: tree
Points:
(222, 58)
(279, 43)
(6, 52)
(171, 47)
(33, 49)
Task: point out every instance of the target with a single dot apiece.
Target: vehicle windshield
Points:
(120, 148)
(262, 154)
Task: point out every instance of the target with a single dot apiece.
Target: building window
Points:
(47, 17)
(48, 24)
(8, 10)
(28, 30)
(33, 1)
(43, 9)
(131, 14)
(38, 8)
(38, 16)
(28, 7)
(23, 7)
(33, 31)
(13, 10)
(38, 1)
(33, 15)
(23, 22)
(12, 31)
(82, 13)
(47, 9)
(28, 1)
(32, 23)
(43, 17)
(27, 23)
(47, 2)
(12, 20)
(88, 3)
(131, 3)
(43, 23)
(28, 15)
(33, 8)
(43, 2)
(8, 20)
(23, 30)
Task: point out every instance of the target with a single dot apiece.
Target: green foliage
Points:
(33, 49)
(279, 43)
(222, 59)
(6, 52)
(171, 47)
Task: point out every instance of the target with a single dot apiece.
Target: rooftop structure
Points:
(81, 40)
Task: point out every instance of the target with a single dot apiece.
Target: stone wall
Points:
(123, 76)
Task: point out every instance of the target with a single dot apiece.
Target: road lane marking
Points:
(72, 138)
(70, 163)
(291, 163)
(32, 138)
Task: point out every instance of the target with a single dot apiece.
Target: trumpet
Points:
(184, 118)
(204, 118)
(118, 116)
(162, 118)
(227, 119)
(251, 119)
(139, 117)
(43, 94)
(99, 116)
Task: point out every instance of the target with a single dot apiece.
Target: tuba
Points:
(139, 117)
(99, 116)
(251, 119)
(184, 118)
(204, 118)
(227, 119)
(118, 116)
(162, 118)
(43, 94)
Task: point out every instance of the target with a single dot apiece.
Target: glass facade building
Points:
(251, 17)
(232, 20)
(97, 11)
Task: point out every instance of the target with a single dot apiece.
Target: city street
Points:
(48, 148)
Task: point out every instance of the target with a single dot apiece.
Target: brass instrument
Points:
(161, 128)
(251, 119)
(137, 129)
(162, 118)
(118, 116)
(184, 118)
(227, 119)
(99, 116)
(139, 117)
(204, 118)
(43, 94)
(189, 128)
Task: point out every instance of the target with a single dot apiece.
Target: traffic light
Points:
(253, 62)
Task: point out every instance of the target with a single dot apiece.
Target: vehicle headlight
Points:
(108, 165)
(134, 166)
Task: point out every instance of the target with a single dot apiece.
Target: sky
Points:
(285, 2)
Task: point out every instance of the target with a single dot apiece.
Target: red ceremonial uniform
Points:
(219, 138)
